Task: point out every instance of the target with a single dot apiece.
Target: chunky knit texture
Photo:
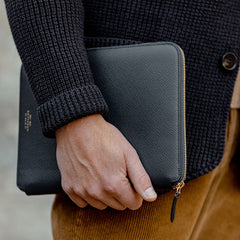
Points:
(50, 37)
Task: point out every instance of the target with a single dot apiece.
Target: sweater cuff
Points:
(69, 106)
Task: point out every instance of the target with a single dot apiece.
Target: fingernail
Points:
(150, 193)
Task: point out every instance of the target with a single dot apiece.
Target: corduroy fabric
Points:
(50, 38)
(235, 102)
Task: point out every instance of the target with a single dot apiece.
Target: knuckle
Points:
(131, 151)
(79, 191)
(67, 188)
(111, 188)
(143, 177)
(94, 192)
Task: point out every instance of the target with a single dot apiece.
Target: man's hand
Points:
(96, 163)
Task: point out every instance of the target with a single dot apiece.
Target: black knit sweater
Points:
(51, 37)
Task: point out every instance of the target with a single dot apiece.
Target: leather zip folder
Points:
(144, 87)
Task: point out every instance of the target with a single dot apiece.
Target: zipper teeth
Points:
(184, 119)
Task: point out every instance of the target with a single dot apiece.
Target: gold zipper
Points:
(181, 184)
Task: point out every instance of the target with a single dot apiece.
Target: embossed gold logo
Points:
(27, 120)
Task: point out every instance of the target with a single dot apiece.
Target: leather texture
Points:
(143, 85)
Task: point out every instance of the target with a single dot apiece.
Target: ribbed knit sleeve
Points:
(49, 38)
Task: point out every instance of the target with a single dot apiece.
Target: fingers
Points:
(82, 203)
(116, 196)
(139, 177)
(96, 203)
(121, 189)
(91, 198)
(125, 194)
(112, 202)
(103, 200)
(94, 198)
(77, 200)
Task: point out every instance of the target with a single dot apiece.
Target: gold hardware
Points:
(181, 184)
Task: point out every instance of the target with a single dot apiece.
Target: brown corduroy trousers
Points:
(208, 208)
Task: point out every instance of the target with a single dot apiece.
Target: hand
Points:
(96, 163)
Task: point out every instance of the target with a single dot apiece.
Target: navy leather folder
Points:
(144, 87)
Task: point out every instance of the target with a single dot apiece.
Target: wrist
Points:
(80, 123)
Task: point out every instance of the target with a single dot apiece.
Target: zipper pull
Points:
(176, 196)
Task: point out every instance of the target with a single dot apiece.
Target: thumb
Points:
(139, 177)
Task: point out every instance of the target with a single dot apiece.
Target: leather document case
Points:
(144, 87)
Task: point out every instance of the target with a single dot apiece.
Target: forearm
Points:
(49, 38)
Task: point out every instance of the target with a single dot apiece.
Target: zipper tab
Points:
(176, 196)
